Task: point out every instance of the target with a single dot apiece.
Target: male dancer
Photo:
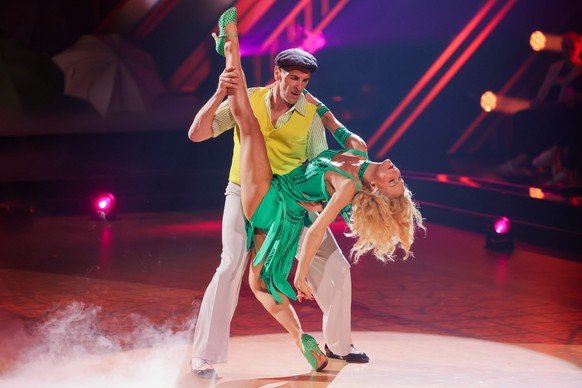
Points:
(293, 132)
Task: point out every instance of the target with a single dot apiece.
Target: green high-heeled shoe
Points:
(309, 346)
(228, 16)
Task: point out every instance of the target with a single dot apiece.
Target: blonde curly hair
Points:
(381, 224)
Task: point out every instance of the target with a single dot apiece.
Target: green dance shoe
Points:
(228, 16)
(309, 347)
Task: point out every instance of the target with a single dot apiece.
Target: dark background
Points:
(56, 156)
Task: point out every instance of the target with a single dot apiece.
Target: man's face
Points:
(292, 81)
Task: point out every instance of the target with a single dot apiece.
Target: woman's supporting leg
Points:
(284, 313)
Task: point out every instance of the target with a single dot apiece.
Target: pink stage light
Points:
(104, 205)
(502, 225)
(499, 235)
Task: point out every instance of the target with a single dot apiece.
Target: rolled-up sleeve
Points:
(316, 140)
(223, 119)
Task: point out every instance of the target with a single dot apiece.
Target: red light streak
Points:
(436, 66)
(447, 77)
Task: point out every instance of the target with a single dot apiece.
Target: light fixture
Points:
(104, 206)
(540, 41)
(504, 104)
(499, 235)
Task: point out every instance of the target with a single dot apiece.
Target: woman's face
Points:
(389, 179)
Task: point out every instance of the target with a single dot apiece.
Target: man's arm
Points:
(201, 127)
(330, 122)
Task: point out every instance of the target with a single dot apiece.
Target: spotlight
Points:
(488, 101)
(545, 42)
(537, 41)
(104, 206)
(499, 235)
(504, 104)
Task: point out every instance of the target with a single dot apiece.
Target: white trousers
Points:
(329, 276)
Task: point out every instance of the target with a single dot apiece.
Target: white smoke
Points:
(80, 346)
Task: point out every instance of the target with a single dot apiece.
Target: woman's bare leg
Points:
(255, 169)
(284, 312)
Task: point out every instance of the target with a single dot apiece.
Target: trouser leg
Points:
(220, 299)
(330, 277)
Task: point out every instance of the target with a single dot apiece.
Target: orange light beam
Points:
(473, 126)
(436, 66)
(447, 77)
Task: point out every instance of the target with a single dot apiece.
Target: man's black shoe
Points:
(354, 355)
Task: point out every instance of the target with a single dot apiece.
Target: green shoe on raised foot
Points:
(228, 16)
(310, 350)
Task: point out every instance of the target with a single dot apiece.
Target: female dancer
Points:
(383, 214)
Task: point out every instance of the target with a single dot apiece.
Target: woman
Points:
(383, 216)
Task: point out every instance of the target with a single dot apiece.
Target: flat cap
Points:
(296, 57)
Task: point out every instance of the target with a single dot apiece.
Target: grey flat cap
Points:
(296, 57)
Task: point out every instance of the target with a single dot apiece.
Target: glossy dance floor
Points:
(90, 304)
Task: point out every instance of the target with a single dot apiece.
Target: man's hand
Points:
(228, 79)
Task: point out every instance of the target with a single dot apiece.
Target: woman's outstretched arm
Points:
(345, 191)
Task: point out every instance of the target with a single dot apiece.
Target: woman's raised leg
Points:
(256, 176)
(255, 169)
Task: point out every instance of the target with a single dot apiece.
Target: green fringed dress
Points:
(282, 219)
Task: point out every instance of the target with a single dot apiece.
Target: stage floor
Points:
(93, 304)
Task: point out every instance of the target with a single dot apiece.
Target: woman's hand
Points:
(304, 290)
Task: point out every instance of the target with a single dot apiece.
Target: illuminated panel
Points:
(468, 181)
(436, 66)
(535, 192)
(442, 177)
(446, 77)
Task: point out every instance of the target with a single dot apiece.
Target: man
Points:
(293, 132)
